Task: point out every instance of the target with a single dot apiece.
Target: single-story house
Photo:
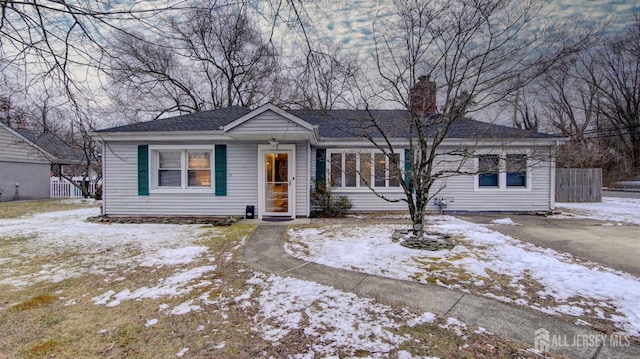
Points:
(24, 167)
(218, 162)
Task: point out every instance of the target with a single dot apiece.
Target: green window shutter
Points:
(408, 167)
(321, 165)
(221, 170)
(143, 170)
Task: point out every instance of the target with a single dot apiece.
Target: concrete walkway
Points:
(265, 252)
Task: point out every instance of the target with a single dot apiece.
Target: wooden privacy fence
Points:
(578, 184)
(61, 188)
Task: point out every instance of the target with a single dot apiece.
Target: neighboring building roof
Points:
(17, 148)
(63, 152)
(331, 123)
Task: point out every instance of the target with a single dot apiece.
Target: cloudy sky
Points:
(349, 22)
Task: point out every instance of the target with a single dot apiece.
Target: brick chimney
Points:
(423, 97)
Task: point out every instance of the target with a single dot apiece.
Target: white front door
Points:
(276, 178)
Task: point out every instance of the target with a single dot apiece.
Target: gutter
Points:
(161, 136)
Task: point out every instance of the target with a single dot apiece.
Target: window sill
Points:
(366, 190)
(503, 189)
(181, 190)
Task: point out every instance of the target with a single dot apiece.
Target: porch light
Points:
(274, 143)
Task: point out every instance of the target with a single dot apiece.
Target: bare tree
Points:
(324, 79)
(151, 78)
(617, 79)
(229, 48)
(55, 38)
(215, 58)
(592, 99)
(479, 53)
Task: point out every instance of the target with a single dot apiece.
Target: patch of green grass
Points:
(38, 301)
(23, 208)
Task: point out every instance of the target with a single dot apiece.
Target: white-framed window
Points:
(516, 170)
(488, 171)
(504, 171)
(364, 169)
(180, 169)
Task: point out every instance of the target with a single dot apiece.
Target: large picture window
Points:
(181, 169)
(361, 169)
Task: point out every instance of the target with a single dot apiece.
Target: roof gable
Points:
(265, 109)
(15, 147)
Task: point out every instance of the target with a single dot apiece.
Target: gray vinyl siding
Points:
(463, 191)
(15, 149)
(121, 191)
(302, 179)
(24, 181)
(24, 170)
(267, 123)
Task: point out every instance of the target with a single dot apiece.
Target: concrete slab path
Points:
(265, 252)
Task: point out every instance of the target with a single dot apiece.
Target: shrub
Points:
(328, 204)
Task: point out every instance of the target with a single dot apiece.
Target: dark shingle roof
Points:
(347, 123)
(63, 152)
(332, 123)
(199, 121)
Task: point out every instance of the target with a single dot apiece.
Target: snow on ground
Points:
(614, 209)
(505, 222)
(566, 287)
(337, 319)
(104, 247)
(63, 245)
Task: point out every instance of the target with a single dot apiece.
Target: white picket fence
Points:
(61, 188)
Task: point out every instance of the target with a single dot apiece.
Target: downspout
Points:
(103, 208)
(552, 178)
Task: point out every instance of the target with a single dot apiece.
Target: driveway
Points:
(622, 194)
(615, 246)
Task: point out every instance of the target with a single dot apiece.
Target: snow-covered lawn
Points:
(173, 290)
(612, 209)
(484, 262)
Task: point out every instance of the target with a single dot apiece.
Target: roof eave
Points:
(161, 136)
(352, 142)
